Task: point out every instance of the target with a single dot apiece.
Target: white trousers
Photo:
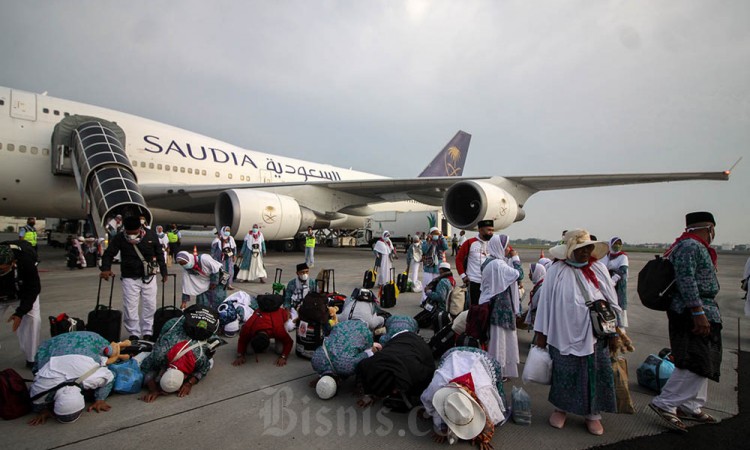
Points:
(426, 278)
(134, 290)
(503, 347)
(29, 331)
(685, 390)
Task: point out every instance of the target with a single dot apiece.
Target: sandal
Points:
(557, 419)
(672, 420)
(701, 417)
(595, 427)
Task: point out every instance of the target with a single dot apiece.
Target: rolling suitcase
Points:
(104, 320)
(334, 298)
(165, 313)
(309, 338)
(368, 282)
(389, 293)
(277, 286)
(402, 281)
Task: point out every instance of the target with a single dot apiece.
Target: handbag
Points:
(622, 391)
(603, 317)
(538, 367)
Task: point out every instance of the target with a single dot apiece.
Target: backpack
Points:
(22, 246)
(457, 300)
(14, 395)
(63, 323)
(201, 322)
(314, 308)
(269, 302)
(656, 284)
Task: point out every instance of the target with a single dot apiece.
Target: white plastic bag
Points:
(538, 368)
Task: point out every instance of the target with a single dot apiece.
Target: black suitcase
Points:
(368, 282)
(442, 341)
(402, 281)
(334, 298)
(165, 313)
(424, 318)
(389, 295)
(307, 343)
(90, 259)
(104, 320)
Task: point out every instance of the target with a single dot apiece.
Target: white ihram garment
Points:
(29, 331)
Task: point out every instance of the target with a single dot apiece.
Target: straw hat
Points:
(575, 239)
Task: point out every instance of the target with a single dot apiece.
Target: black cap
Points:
(131, 223)
(301, 267)
(485, 223)
(699, 217)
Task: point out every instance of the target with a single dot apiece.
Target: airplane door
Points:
(23, 105)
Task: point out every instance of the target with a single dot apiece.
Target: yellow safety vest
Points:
(30, 236)
(172, 237)
(309, 241)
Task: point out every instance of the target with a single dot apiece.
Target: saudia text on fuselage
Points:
(198, 153)
(229, 157)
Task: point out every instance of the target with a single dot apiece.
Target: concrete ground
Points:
(261, 405)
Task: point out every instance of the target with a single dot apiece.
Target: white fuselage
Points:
(160, 155)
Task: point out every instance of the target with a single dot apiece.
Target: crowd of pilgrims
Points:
(460, 389)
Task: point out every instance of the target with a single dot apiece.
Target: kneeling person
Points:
(260, 329)
(182, 355)
(79, 356)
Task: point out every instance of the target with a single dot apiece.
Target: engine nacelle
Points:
(279, 216)
(467, 202)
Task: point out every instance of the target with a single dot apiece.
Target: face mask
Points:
(435, 237)
(570, 262)
(255, 230)
(226, 233)
(617, 248)
(143, 221)
(304, 277)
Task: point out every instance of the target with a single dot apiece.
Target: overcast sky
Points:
(544, 87)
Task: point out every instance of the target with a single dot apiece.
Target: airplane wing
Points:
(430, 190)
(555, 182)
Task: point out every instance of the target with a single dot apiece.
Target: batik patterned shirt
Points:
(695, 277)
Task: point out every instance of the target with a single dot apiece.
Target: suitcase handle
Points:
(393, 274)
(164, 289)
(277, 275)
(111, 291)
(332, 279)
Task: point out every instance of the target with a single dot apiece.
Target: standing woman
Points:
(617, 264)
(414, 263)
(500, 287)
(582, 379)
(384, 255)
(253, 251)
(433, 253)
(224, 250)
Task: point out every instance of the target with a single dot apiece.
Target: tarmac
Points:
(265, 406)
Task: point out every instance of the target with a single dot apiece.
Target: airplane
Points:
(66, 159)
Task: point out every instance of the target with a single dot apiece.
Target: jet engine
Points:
(467, 202)
(279, 216)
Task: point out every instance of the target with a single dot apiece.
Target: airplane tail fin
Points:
(451, 159)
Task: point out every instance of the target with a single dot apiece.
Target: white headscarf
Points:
(537, 271)
(546, 262)
(186, 256)
(384, 245)
(497, 276)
